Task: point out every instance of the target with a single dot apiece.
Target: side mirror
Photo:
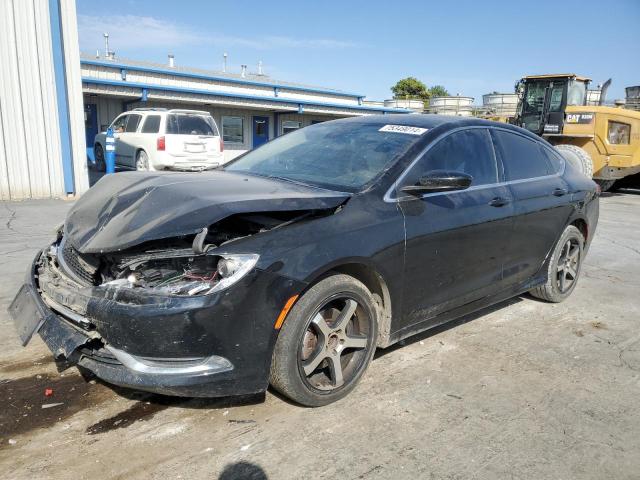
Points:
(439, 181)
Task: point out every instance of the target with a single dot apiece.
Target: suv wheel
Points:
(564, 267)
(98, 154)
(142, 161)
(326, 343)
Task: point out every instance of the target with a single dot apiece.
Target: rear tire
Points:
(564, 267)
(578, 157)
(142, 161)
(326, 342)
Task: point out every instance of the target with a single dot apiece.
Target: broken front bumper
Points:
(214, 345)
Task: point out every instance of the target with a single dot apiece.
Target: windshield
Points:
(191, 124)
(336, 155)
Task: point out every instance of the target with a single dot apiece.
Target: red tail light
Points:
(221, 145)
(160, 144)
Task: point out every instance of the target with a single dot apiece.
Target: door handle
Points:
(498, 202)
(558, 192)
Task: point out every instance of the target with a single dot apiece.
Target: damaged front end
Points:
(178, 316)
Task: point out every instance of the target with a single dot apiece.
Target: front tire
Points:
(98, 154)
(564, 267)
(326, 343)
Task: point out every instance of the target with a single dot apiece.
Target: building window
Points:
(233, 129)
(290, 126)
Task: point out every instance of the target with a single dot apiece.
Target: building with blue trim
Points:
(248, 108)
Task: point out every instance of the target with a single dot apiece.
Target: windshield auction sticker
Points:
(403, 129)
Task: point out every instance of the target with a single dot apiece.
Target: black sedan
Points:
(293, 263)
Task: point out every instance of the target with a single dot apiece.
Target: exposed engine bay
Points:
(175, 266)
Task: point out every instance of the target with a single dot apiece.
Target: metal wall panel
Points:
(30, 141)
(74, 93)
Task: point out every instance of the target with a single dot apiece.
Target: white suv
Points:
(161, 139)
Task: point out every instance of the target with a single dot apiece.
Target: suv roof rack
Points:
(185, 110)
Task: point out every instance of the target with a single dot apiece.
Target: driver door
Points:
(455, 241)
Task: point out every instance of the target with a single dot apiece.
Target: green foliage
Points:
(409, 88)
(412, 88)
(438, 91)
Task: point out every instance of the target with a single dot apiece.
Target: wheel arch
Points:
(366, 273)
(582, 225)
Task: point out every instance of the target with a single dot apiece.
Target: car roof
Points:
(431, 121)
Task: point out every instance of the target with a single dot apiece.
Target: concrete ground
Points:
(523, 390)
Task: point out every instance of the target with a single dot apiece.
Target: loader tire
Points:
(578, 157)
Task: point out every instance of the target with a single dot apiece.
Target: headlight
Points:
(186, 276)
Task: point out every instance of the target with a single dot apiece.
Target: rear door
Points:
(456, 241)
(128, 141)
(540, 201)
(192, 136)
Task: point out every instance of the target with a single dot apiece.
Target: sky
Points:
(364, 47)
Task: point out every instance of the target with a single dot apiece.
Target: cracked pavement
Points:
(522, 390)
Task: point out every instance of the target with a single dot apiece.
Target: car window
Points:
(468, 151)
(132, 123)
(191, 124)
(119, 124)
(555, 159)
(151, 124)
(521, 157)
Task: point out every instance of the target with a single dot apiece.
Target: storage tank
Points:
(411, 104)
(633, 98)
(501, 104)
(458, 105)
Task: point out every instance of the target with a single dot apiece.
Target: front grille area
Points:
(82, 267)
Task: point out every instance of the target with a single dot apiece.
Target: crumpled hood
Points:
(130, 208)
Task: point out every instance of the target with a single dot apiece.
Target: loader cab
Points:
(544, 98)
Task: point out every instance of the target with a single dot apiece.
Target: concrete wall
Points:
(41, 124)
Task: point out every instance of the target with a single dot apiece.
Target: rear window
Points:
(132, 123)
(151, 124)
(189, 124)
(522, 158)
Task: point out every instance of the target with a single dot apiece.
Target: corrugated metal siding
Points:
(30, 148)
(31, 160)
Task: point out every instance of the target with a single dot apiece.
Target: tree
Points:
(438, 91)
(410, 87)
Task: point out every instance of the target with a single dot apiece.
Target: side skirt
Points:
(463, 310)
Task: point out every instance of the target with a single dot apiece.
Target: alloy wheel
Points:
(142, 162)
(568, 265)
(335, 345)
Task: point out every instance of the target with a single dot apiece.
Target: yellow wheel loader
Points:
(603, 141)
